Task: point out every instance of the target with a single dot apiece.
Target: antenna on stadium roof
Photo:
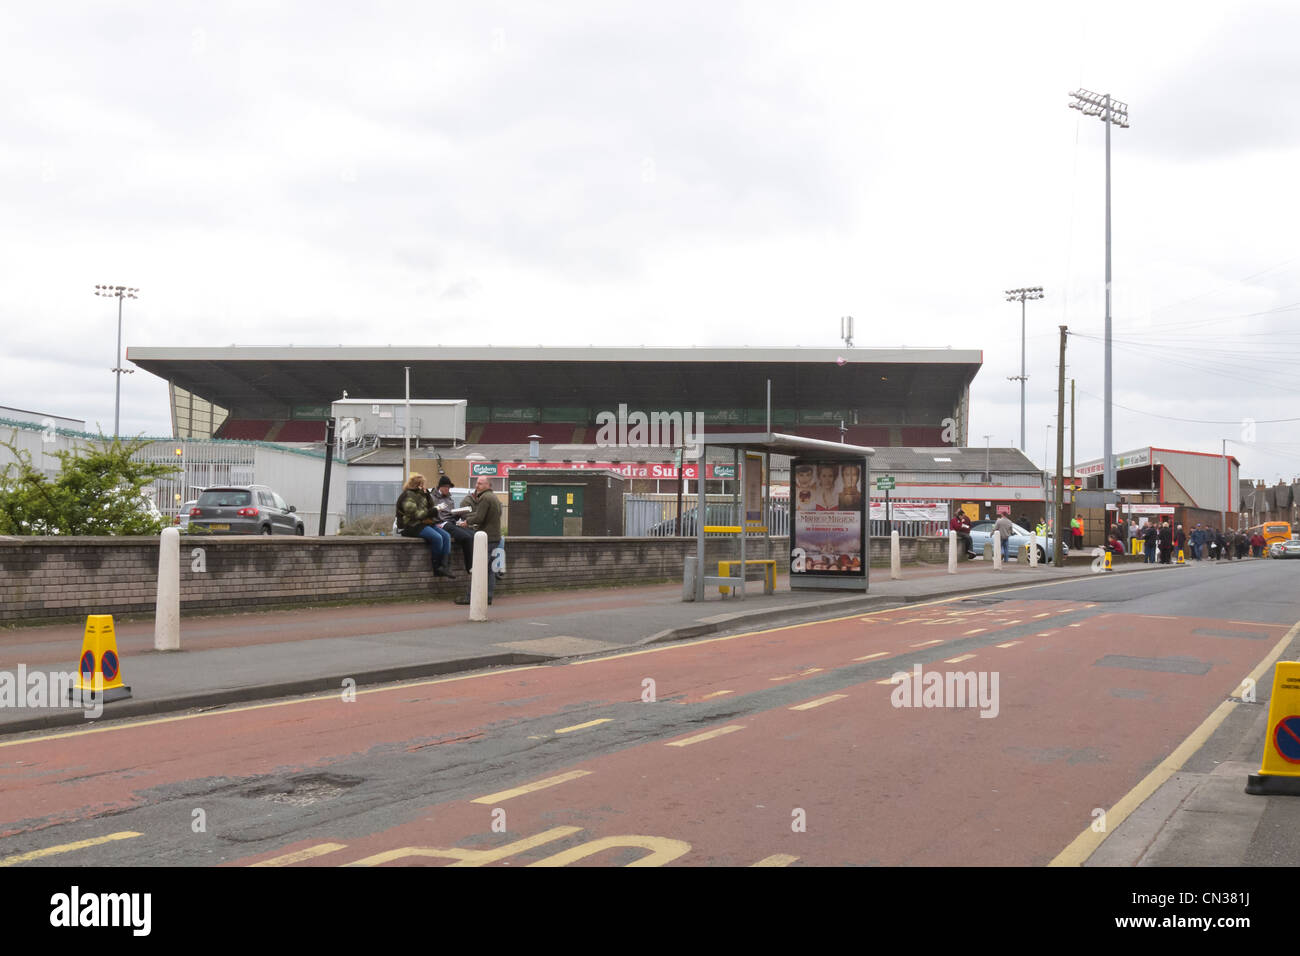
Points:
(846, 330)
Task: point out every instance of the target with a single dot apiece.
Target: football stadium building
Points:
(550, 408)
(916, 397)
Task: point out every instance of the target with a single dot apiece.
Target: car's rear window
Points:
(225, 499)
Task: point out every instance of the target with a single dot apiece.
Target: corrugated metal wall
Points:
(1204, 477)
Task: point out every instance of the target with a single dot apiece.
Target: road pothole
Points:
(305, 790)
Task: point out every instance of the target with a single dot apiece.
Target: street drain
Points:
(305, 790)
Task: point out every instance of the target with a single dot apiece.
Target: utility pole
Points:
(1035, 292)
(1110, 111)
(406, 432)
(1071, 432)
(1059, 559)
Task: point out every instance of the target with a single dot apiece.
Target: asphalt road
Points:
(793, 745)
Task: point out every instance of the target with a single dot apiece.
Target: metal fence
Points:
(655, 515)
(647, 516)
(909, 529)
(366, 498)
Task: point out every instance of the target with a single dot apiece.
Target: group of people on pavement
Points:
(1161, 542)
(435, 517)
(1215, 545)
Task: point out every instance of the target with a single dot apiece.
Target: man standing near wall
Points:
(485, 517)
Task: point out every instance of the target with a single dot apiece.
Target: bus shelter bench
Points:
(769, 573)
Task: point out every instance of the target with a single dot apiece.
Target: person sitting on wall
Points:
(447, 521)
(417, 517)
(961, 524)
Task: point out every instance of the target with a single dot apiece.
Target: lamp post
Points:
(118, 292)
(1110, 111)
(1013, 295)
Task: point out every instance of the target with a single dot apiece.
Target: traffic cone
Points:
(1180, 556)
(100, 670)
(1108, 567)
(1279, 772)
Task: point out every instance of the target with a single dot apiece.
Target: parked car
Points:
(1284, 549)
(182, 519)
(981, 533)
(244, 509)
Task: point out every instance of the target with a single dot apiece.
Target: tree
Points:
(99, 491)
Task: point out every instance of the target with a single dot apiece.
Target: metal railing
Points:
(909, 529)
(646, 516)
(366, 498)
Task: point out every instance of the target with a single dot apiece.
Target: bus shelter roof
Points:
(779, 444)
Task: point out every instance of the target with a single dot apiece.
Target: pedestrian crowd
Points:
(1160, 542)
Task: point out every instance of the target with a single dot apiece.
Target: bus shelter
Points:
(828, 513)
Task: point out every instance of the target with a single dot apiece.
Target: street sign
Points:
(885, 483)
(517, 489)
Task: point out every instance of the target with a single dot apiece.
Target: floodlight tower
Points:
(118, 292)
(1109, 111)
(1036, 292)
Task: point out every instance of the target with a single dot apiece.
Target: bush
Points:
(98, 491)
(370, 524)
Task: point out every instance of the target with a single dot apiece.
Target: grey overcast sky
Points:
(666, 174)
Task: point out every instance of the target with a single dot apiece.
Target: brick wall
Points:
(45, 579)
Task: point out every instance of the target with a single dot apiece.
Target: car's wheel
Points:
(266, 529)
(1042, 555)
(301, 531)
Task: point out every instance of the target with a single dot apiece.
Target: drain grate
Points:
(305, 790)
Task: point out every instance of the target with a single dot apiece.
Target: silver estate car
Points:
(244, 509)
(1284, 549)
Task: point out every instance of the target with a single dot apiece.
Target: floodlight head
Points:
(1095, 104)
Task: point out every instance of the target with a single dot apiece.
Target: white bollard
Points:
(167, 610)
(895, 557)
(997, 550)
(1033, 553)
(952, 552)
(478, 579)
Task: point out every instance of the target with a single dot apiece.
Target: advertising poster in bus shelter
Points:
(828, 507)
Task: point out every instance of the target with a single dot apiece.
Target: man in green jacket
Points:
(485, 517)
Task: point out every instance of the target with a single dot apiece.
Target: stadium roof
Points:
(245, 377)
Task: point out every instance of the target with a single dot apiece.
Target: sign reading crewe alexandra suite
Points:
(494, 469)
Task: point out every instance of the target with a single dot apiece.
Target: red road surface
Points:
(872, 783)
